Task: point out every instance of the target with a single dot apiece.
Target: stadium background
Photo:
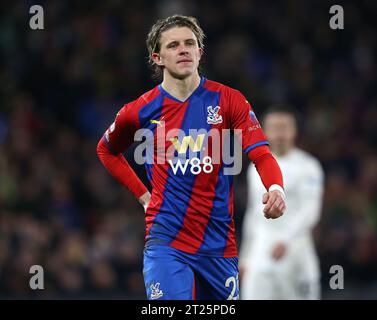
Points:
(61, 87)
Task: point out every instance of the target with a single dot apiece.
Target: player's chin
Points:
(183, 73)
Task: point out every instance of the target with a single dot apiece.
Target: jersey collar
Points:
(195, 92)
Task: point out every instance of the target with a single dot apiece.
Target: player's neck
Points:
(181, 88)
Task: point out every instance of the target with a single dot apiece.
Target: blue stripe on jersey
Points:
(169, 221)
(216, 233)
(260, 143)
(151, 110)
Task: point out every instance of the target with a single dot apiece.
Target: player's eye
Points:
(172, 45)
(190, 42)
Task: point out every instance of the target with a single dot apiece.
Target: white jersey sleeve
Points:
(303, 183)
(249, 219)
(309, 192)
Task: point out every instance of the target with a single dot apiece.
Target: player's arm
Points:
(117, 138)
(310, 193)
(255, 145)
(249, 224)
(272, 178)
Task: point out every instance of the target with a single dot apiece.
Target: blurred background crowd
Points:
(61, 87)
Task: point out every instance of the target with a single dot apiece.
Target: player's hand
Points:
(274, 204)
(279, 250)
(241, 272)
(144, 200)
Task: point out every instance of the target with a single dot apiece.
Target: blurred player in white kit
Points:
(278, 259)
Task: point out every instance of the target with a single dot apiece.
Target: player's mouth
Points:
(184, 61)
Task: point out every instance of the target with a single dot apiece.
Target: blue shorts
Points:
(172, 274)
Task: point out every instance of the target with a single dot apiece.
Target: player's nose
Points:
(182, 49)
(183, 52)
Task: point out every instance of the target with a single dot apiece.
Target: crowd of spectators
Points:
(62, 86)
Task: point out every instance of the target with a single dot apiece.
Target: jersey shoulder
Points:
(232, 100)
(144, 99)
(129, 113)
(219, 87)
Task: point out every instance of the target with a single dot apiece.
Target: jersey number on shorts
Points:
(232, 281)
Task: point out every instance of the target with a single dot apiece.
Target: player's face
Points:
(280, 129)
(179, 52)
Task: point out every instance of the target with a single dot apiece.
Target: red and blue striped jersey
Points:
(191, 205)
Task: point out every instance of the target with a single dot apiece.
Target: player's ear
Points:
(201, 51)
(157, 59)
